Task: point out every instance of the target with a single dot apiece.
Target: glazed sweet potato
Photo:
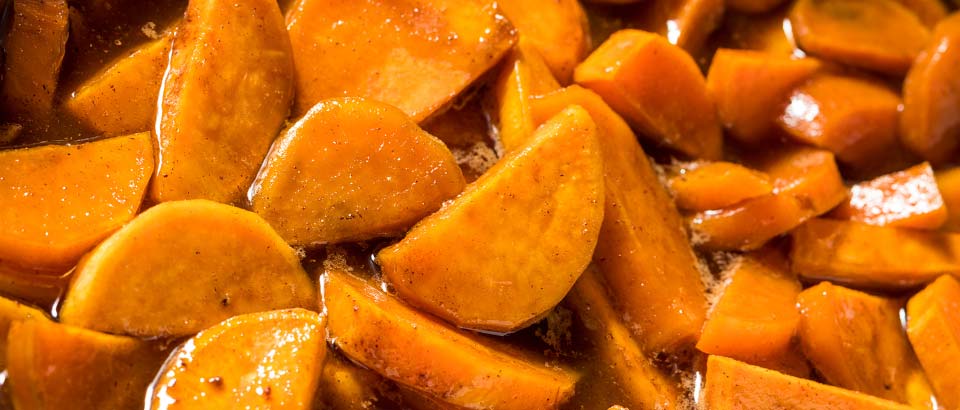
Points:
(524, 76)
(221, 107)
(181, 267)
(352, 170)
(685, 23)
(522, 234)
(908, 198)
(658, 89)
(33, 51)
(54, 366)
(385, 335)
(948, 183)
(856, 341)
(58, 201)
(643, 252)
(557, 29)
(12, 311)
(934, 331)
(415, 56)
(701, 186)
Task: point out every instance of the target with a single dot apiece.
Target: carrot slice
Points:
(733, 385)
(524, 76)
(145, 280)
(54, 366)
(934, 331)
(11, 312)
(259, 360)
(381, 333)
(221, 107)
(713, 185)
(33, 51)
(753, 6)
(59, 201)
(879, 35)
(856, 341)
(643, 254)
(515, 258)
(908, 198)
(351, 170)
(557, 29)
(658, 89)
(948, 183)
(415, 56)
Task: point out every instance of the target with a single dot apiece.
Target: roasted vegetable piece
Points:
(522, 234)
(524, 76)
(267, 360)
(33, 51)
(415, 56)
(385, 335)
(934, 331)
(948, 183)
(351, 170)
(122, 98)
(54, 366)
(557, 29)
(58, 201)
(181, 267)
(751, 89)
(658, 89)
(733, 385)
(856, 341)
(930, 12)
(754, 6)
(700, 186)
(220, 107)
(877, 257)
(643, 254)
(11, 312)
(879, 35)
(908, 198)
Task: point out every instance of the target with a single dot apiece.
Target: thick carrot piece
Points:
(733, 385)
(524, 76)
(57, 201)
(524, 232)
(948, 183)
(408, 347)
(713, 185)
(352, 170)
(658, 89)
(221, 107)
(908, 198)
(122, 98)
(934, 331)
(54, 366)
(856, 341)
(643, 254)
(752, 88)
(11, 312)
(557, 29)
(144, 279)
(33, 49)
(415, 56)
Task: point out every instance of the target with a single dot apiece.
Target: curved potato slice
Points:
(267, 360)
(381, 333)
(557, 29)
(521, 234)
(221, 107)
(181, 267)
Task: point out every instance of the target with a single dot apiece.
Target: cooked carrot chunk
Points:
(351, 170)
(713, 185)
(255, 361)
(57, 201)
(181, 267)
(33, 51)
(11, 312)
(948, 183)
(524, 76)
(557, 29)
(908, 198)
(385, 335)
(658, 89)
(934, 331)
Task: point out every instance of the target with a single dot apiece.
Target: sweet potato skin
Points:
(933, 327)
(909, 198)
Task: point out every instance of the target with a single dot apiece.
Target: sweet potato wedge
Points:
(12, 311)
(948, 183)
(221, 107)
(385, 335)
(503, 275)
(181, 267)
(524, 76)
(557, 29)
(33, 51)
(58, 201)
(352, 170)
(257, 361)
(908, 198)
(658, 89)
(415, 56)
(700, 186)
(934, 331)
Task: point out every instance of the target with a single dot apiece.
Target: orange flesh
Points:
(934, 330)
(557, 29)
(714, 185)
(908, 198)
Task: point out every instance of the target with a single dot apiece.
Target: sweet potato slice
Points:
(33, 51)
(733, 385)
(57, 201)
(504, 274)
(879, 35)
(643, 254)
(122, 98)
(908, 198)
(258, 360)
(856, 341)
(751, 89)
(934, 331)
(11, 312)
(713, 185)
(221, 107)
(351, 170)
(181, 267)
(415, 56)
(869, 256)
(385, 335)
(948, 183)
(557, 29)
(524, 76)
(658, 89)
